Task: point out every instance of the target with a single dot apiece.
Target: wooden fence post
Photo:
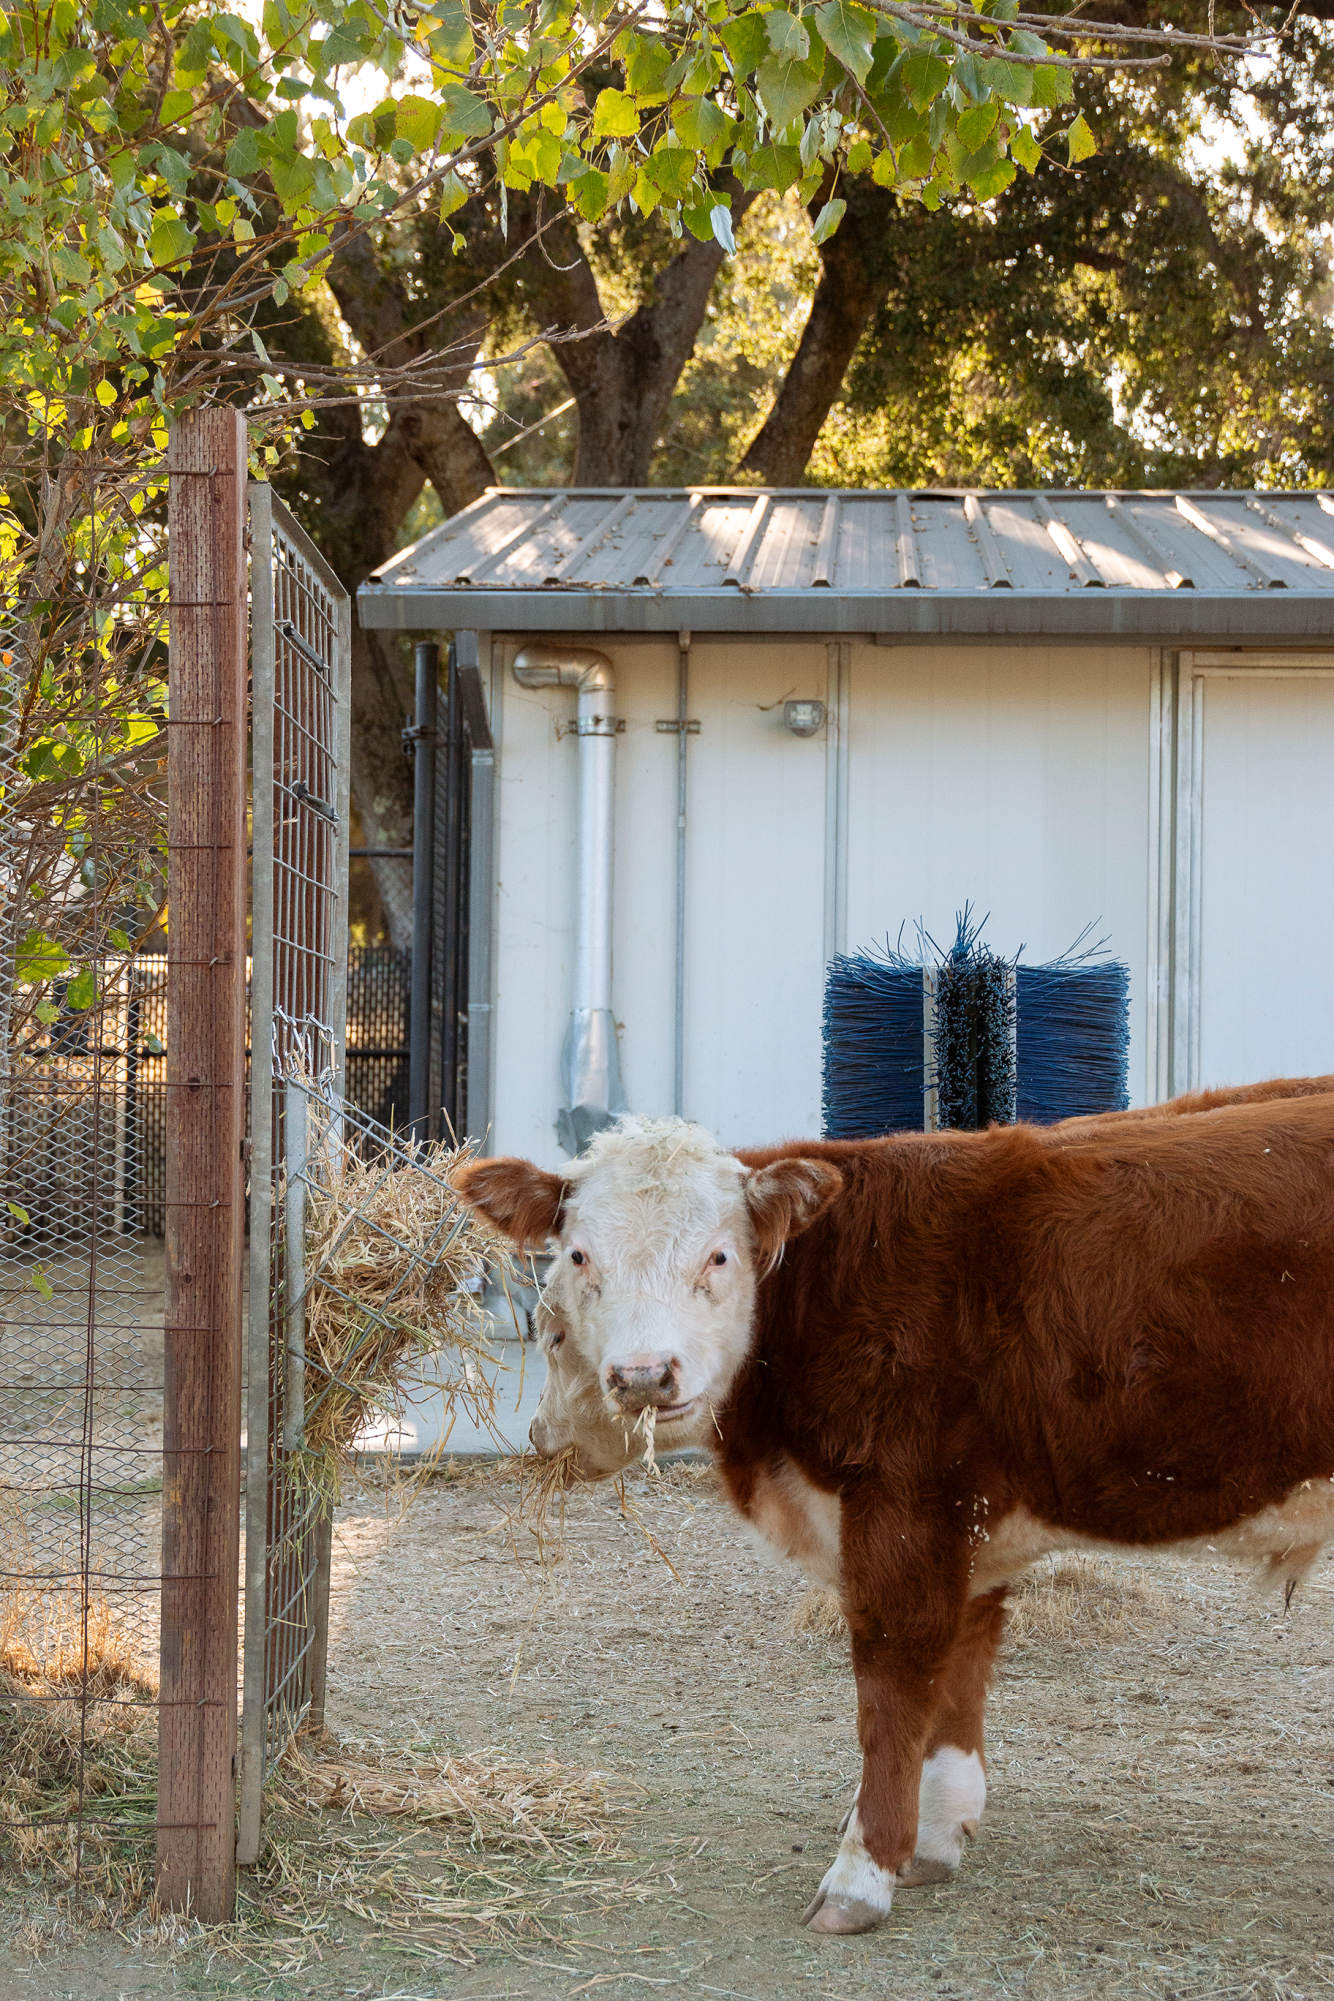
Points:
(205, 1130)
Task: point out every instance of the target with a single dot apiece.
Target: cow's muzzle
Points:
(644, 1382)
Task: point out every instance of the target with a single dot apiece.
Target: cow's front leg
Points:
(953, 1791)
(896, 1699)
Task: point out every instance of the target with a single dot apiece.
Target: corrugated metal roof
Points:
(927, 562)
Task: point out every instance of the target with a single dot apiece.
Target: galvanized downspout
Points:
(420, 736)
(679, 1006)
(590, 1062)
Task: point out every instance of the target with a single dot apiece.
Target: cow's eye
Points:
(556, 1339)
(576, 1257)
(719, 1258)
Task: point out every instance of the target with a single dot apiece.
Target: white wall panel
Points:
(755, 895)
(755, 873)
(1014, 778)
(534, 937)
(1266, 836)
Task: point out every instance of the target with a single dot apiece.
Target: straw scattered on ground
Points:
(433, 1855)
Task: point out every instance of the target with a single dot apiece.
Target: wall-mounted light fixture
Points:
(804, 718)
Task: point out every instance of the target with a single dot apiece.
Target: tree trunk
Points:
(624, 381)
(356, 497)
(853, 283)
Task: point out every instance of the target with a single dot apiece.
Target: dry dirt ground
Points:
(1161, 1817)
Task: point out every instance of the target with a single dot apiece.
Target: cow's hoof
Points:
(840, 1917)
(923, 1869)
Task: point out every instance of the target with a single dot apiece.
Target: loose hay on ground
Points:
(513, 1849)
(1082, 1600)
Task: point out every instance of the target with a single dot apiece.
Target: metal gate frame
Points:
(301, 673)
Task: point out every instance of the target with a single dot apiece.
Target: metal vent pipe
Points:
(590, 1062)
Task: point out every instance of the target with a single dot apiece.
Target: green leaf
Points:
(41, 1283)
(698, 219)
(859, 156)
(777, 167)
(152, 1045)
(827, 221)
(614, 116)
(786, 87)
(647, 61)
(454, 192)
(785, 35)
(721, 217)
(976, 125)
(672, 171)
(462, 111)
(39, 958)
(120, 939)
(924, 77)
(47, 1011)
(170, 240)
(82, 990)
(243, 153)
(746, 42)
(1025, 148)
(699, 123)
(1051, 87)
(451, 39)
(1082, 141)
(916, 158)
(417, 120)
(884, 173)
(986, 186)
(590, 194)
(848, 32)
(623, 173)
(22, 1214)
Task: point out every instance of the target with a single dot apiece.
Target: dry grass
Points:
(1082, 1601)
(78, 1753)
(820, 1614)
(439, 1856)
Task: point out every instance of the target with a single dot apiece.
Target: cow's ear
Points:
(785, 1199)
(523, 1201)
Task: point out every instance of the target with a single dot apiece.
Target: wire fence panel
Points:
(81, 1319)
(379, 1005)
(301, 676)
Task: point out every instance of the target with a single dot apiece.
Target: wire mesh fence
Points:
(379, 1004)
(301, 668)
(81, 1319)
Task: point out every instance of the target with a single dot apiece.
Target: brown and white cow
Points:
(921, 1363)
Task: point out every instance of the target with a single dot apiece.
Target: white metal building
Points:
(1065, 707)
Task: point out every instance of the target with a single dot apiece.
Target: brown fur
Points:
(1124, 1327)
(523, 1202)
(785, 1198)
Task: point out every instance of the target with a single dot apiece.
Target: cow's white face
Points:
(661, 1237)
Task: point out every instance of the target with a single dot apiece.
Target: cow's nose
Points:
(642, 1380)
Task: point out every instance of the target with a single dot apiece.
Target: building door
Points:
(1253, 874)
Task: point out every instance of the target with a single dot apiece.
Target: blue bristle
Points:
(873, 1081)
(1073, 1040)
(1070, 1022)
